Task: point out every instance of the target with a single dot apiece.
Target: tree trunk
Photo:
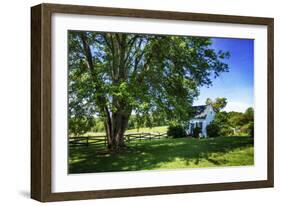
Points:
(115, 122)
(115, 130)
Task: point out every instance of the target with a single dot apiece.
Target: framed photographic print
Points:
(132, 102)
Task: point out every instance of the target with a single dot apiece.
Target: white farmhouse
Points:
(203, 116)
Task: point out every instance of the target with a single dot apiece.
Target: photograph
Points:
(158, 102)
(134, 102)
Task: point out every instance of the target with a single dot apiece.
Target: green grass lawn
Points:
(164, 154)
(159, 129)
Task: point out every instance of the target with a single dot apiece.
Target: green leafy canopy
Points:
(117, 73)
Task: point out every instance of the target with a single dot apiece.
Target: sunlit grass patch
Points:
(165, 154)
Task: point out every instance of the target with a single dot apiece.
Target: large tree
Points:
(112, 75)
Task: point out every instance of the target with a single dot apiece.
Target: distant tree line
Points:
(232, 123)
(81, 125)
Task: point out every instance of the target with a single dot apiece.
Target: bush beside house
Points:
(176, 131)
(213, 130)
(196, 132)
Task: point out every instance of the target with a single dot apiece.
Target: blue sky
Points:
(237, 85)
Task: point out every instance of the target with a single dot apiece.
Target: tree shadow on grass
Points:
(148, 155)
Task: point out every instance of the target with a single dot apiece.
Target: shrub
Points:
(99, 127)
(248, 129)
(244, 129)
(196, 132)
(251, 129)
(226, 131)
(176, 131)
(80, 125)
(213, 130)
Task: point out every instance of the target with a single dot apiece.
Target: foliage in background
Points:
(80, 125)
(213, 130)
(251, 129)
(176, 131)
(99, 126)
(217, 104)
(151, 120)
(235, 123)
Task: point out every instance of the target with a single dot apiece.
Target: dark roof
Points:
(199, 111)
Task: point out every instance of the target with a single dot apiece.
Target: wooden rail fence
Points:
(101, 140)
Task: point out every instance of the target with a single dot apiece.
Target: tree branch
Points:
(88, 53)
